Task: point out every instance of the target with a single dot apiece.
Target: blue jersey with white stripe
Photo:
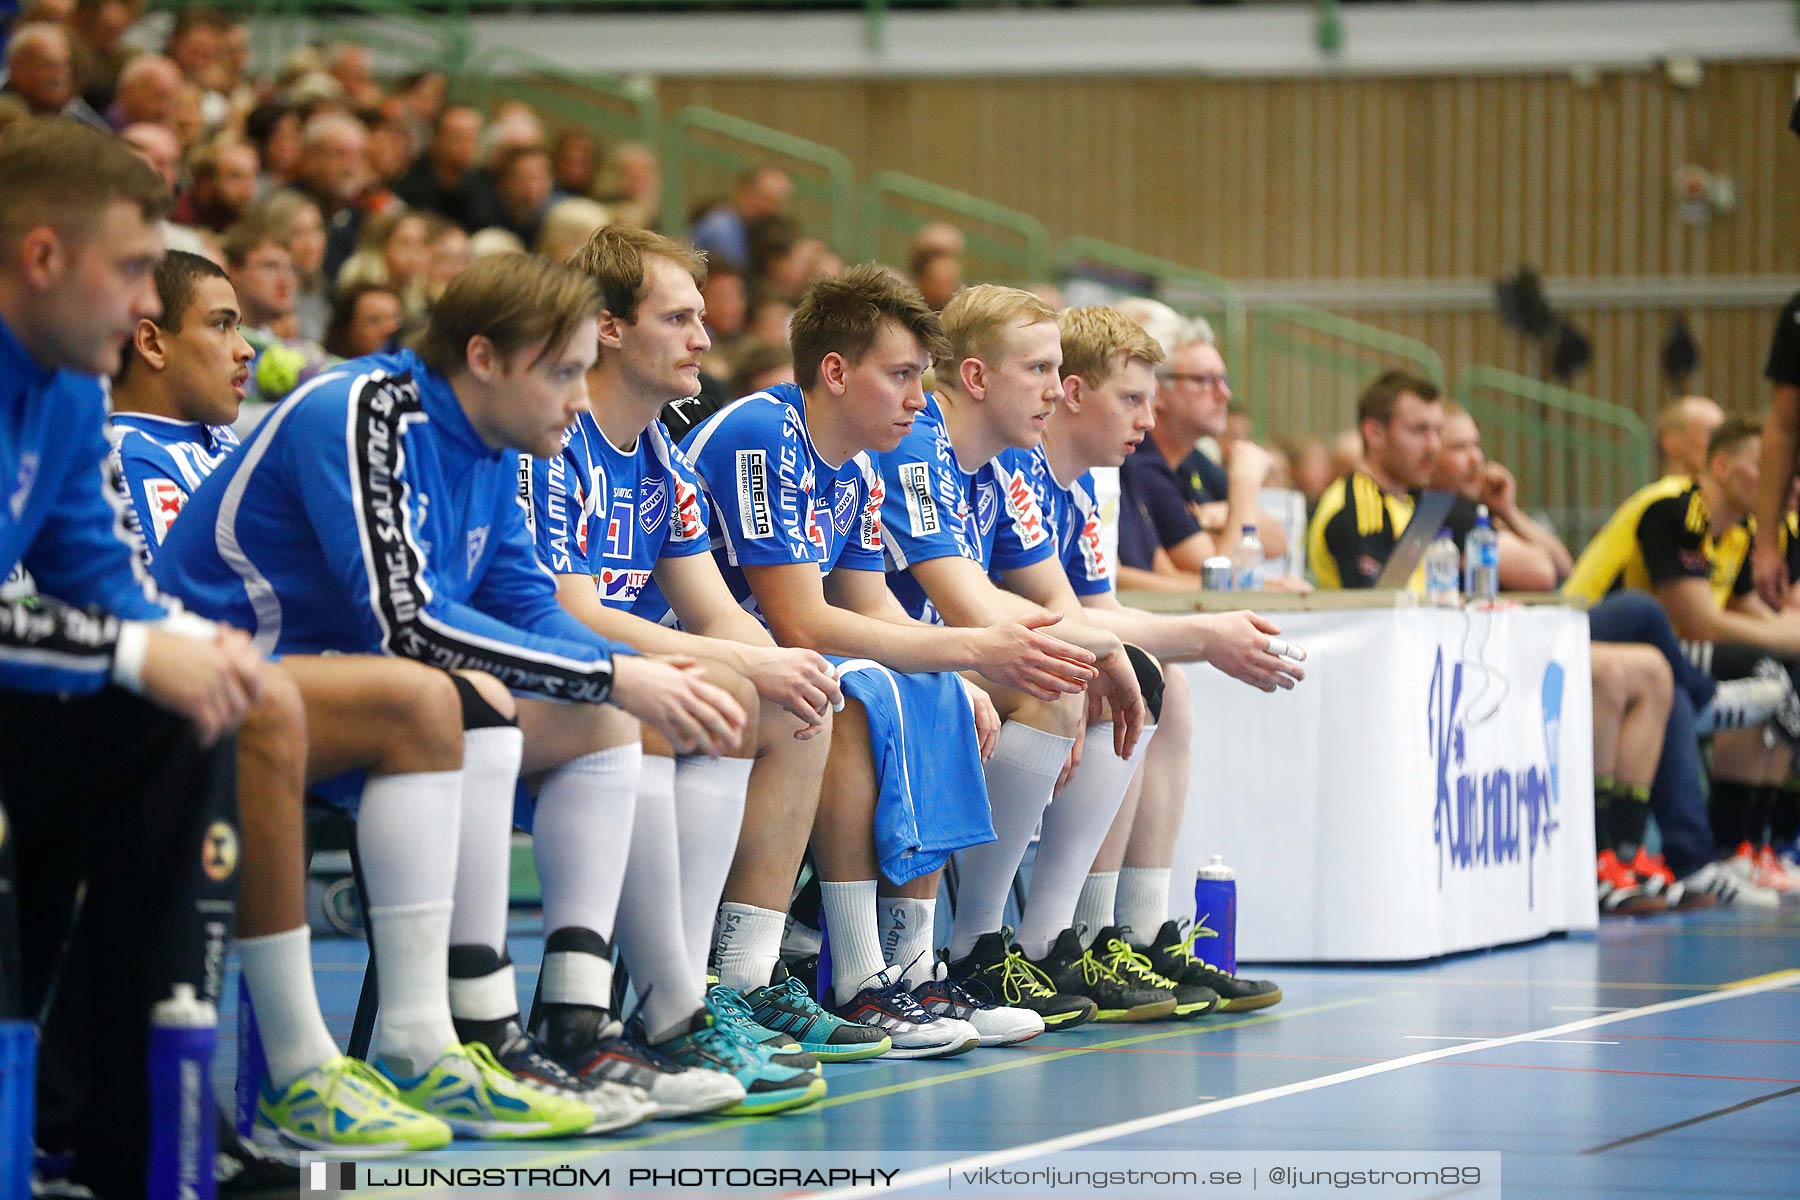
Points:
(365, 515)
(162, 461)
(63, 521)
(774, 499)
(1072, 516)
(610, 513)
(938, 508)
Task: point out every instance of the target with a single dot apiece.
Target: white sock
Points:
(582, 835)
(747, 945)
(1143, 902)
(1075, 827)
(484, 858)
(1097, 903)
(412, 948)
(906, 937)
(709, 811)
(649, 923)
(1020, 777)
(849, 910)
(278, 972)
(406, 830)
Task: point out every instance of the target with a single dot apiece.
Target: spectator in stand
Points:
(727, 304)
(768, 319)
(262, 274)
(349, 64)
(1177, 506)
(1312, 470)
(1683, 430)
(366, 320)
(761, 365)
(937, 237)
(568, 226)
(194, 45)
(444, 180)
(574, 162)
(187, 118)
(779, 257)
(40, 71)
(522, 188)
(631, 185)
(422, 95)
(450, 256)
(485, 243)
(234, 65)
(333, 172)
(100, 52)
(938, 274)
(393, 254)
(274, 129)
(299, 226)
(390, 149)
(148, 87)
(223, 188)
(158, 147)
(724, 232)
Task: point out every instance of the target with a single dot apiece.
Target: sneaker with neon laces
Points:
(995, 971)
(1114, 949)
(768, 1087)
(1620, 891)
(998, 1024)
(786, 1007)
(1074, 968)
(1172, 952)
(887, 1005)
(595, 1050)
(468, 1090)
(343, 1105)
(732, 1012)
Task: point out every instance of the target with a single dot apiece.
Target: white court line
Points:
(1087, 1137)
(1586, 1008)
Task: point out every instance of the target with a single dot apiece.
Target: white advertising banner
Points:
(1427, 789)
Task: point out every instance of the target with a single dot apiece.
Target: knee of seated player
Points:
(1062, 717)
(273, 735)
(493, 693)
(1606, 669)
(776, 727)
(557, 734)
(738, 686)
(420, 714)
(1650, 672)
(1177, 720)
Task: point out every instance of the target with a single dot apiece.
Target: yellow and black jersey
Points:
(1354, 530)
(1660, 535)
(1790, 545)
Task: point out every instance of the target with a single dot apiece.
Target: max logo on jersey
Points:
(685, 523)
(1092, 557)
(1022, 507)
(166, 499)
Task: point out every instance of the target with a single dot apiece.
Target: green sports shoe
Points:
(344, 1105)
(476, 1097)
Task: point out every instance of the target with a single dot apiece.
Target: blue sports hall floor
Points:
(1657, 1058)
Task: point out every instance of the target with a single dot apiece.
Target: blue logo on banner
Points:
(1491, 819)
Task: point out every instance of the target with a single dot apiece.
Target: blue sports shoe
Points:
(786, 1007)
(768, 1086)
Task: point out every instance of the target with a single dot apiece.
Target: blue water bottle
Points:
(183, 1031)
(1215, 914)
(252, 1065)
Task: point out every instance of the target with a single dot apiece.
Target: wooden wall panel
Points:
(1367, 179)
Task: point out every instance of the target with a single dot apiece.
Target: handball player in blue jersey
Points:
(1108, 383)
(792, 480)
(376, 511)
(174, 399)
(619, 518)
(113, 703)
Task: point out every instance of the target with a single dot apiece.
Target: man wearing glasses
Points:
(1179, 506)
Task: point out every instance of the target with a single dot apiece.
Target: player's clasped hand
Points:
(1016, 654)
(801, 682)
(1249, 648)
(670, 693)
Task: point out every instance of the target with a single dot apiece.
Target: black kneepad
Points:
(477, 713)
(1150, 680)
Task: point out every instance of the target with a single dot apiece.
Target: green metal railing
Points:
(1184, 288)
(1004, 245)
(1307, 366)
(1575, 456)
(618, 109)
(704, 150)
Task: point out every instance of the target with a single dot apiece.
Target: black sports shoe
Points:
(243, 1169)
(994, 971)
(1172, 954)
(1070, 968)
(1114, 949)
